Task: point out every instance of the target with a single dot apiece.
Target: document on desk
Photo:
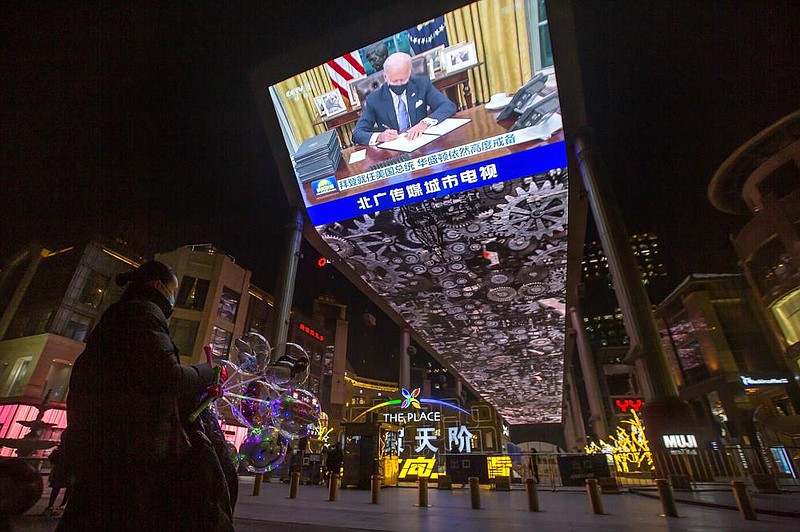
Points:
(357, 156)
(446, 126)
(401, 143)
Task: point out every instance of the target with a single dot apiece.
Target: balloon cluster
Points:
(265, 394)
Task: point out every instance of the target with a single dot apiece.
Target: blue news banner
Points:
(453, 181)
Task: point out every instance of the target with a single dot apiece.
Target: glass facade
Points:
(94, 289)
(193, 292)
(220, 341)
(20, 374)
(78, 326)
(58, 380)
(44, 295)
(184, 334)
(228, 304)
(787, 314)
(686, 346)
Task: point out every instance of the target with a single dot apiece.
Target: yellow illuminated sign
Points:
(419, 467)
(498, 466)
(629, 447)
(370, 385)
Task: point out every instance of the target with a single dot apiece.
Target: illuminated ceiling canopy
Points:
(481, 276)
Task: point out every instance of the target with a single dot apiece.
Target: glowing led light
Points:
(498, 466)
(410, 398)
(629, 447)
(419, 467)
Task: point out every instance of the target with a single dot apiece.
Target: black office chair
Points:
(365, 86)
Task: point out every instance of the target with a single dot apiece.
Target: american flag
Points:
(343, 69)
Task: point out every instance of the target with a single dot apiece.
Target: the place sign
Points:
(412, 417)
(749, 381)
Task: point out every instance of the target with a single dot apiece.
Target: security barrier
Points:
(333, 487)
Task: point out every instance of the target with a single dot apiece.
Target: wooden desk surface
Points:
(483, 125)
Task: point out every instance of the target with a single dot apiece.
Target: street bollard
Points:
(294, 485)
(667, 497)
(333, 487)
(533, 495)
(743, 500)
(595, 499)
(376, 489)
(257, 484)
(475, 493)
(423, 492)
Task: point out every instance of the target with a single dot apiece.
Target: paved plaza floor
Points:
(562, 511)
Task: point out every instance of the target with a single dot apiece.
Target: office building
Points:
(50, 300)
(760, 181)
(716, 343)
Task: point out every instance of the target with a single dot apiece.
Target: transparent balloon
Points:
(234, 389)
(263, 450)
(296, 413)
(296, 358)
(254, 350)
(256, 410)
(264, 393)
(279, 374)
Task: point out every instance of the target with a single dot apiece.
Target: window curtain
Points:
(296, 96)
(499, 30)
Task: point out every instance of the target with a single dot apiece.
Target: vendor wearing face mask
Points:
(401, 105)
(123, 411)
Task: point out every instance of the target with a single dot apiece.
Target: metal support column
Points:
(664, 412)
(631, 295)
(597, 413)
(578, 429)
(284, 289)
(405, 359)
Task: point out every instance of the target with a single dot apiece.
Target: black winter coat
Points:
(123, 420)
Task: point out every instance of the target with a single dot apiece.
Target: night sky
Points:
(141, 122)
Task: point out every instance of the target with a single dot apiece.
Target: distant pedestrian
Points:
(533, 465)
(334, 461)
(60, 478)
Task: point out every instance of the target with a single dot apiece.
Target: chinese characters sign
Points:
(512, 166)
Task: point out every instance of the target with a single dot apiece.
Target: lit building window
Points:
(220, 341)
(228, 304)
(787, 314)
(193, 292)
(94, 289)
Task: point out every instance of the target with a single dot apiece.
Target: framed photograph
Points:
(434, 57)
(459, 57)
(333, 102)
(319, 103)
(355, 101)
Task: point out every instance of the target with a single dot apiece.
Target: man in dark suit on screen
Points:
(401, 105)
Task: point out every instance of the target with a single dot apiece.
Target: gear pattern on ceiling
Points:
(481, 275)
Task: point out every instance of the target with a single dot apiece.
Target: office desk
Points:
(483, 125)
(447, 83)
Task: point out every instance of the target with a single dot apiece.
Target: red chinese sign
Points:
(625, 404)
(311, 332)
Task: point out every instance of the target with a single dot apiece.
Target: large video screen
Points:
(433, 163)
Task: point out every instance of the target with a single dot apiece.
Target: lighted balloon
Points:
(264, 392)
(263, 450)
